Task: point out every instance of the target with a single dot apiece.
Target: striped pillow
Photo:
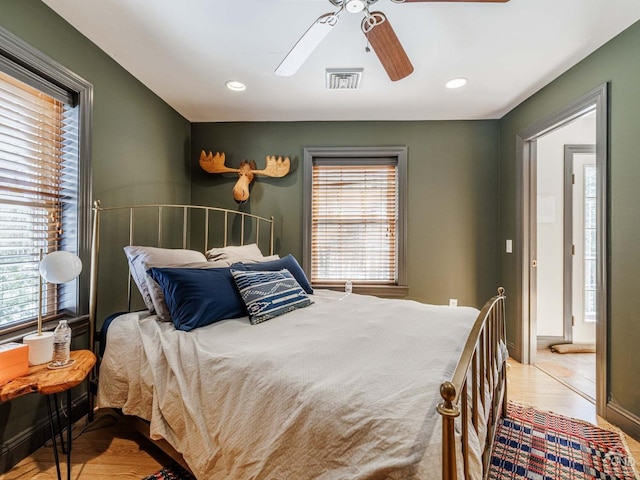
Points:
(269, 294)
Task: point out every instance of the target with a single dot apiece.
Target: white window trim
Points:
(399, 152)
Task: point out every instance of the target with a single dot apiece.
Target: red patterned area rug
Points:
(173, 472)
(535, 445)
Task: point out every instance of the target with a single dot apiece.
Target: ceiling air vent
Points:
(344, 78)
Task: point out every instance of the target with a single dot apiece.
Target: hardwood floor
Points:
(531, 386)
(577, 370)
(110, 448)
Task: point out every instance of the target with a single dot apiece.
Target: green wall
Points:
(462, 178)
(452, 191)
(140, 145)
(616, 62)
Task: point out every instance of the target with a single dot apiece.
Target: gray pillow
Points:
(141, 257)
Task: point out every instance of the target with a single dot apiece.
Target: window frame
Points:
(28, 64)
(310, 155)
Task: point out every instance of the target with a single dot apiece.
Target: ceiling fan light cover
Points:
(354, 6)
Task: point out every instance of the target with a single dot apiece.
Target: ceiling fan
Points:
(376, 28)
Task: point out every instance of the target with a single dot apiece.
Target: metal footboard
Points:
(482, 367)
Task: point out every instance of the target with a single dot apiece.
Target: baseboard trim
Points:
(624, 419)
(545, 341)
(32, 438)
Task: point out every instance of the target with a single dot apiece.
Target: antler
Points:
(214, 163)
(275, 168)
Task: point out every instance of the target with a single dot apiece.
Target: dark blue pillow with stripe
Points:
(269, 294)
(289, 262)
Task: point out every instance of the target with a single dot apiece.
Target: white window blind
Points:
(38, 195)
(354, 223)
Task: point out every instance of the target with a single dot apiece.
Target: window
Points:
(355, 207)
(44, 121)
(590, 255)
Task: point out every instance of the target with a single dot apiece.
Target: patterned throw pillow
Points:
(269, 294)
(289, 263)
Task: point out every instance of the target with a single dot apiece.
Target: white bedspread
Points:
(344, 389)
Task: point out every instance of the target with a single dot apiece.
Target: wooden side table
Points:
(44, 381)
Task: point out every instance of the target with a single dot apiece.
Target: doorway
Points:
(562, 264)
(566, 229)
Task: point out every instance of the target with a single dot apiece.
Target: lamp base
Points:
(40, 347)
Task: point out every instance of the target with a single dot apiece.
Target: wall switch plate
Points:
(509, 246)
(453, 302)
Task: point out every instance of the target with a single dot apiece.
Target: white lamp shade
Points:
(60, 267)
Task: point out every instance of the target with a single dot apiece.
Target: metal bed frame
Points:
(187, 210)
(133, 211)
(481, 360)
(485, 360)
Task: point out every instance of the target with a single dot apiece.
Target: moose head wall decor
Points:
(215, 164)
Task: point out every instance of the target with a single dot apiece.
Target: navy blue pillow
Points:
(289, 262)
(197, 297)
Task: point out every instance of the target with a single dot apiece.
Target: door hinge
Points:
(573, 178)
(573, 249)
(573, 321)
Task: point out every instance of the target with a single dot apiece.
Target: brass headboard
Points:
(184, 214)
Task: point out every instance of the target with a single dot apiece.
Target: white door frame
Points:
(597, 100)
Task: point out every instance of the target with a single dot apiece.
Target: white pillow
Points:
(234, 254)
(140, 257)
(231, 259)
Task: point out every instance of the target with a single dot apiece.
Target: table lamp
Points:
(56, 267)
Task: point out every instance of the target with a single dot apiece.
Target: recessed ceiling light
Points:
(456, 82)
(236, 86)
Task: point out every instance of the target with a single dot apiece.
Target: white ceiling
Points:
(186, 50)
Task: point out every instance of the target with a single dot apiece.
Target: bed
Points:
(345, 387)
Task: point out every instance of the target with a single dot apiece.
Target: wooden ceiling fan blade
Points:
(388, 48)
(307, 44)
